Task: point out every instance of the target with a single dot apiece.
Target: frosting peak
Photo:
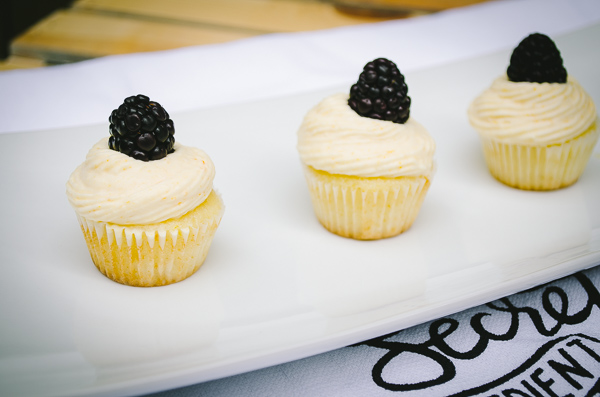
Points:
(532, 113)
(333, 138)
(110, 186)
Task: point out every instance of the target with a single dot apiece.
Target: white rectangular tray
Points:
(276, 286)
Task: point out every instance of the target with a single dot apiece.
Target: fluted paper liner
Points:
(365, 208)
(156, 254)
(540, 167)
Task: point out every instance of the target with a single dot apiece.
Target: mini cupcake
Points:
(367, 163)
(537, 125)
(145, 203)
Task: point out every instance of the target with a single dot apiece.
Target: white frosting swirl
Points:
(110, 186)
(335, 139)
(532, 113)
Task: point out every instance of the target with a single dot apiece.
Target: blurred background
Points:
(36, 33)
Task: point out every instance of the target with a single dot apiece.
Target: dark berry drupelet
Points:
(381, 92)
(142, 129)
(537, 60)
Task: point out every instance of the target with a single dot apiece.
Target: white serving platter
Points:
(276, 286)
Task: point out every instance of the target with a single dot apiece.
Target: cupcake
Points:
(367, 163)
(536, 124)
(145, 203)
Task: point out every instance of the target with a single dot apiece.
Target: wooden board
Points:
(73, 35)
(17, 62)
(257, 15)
(95, 28)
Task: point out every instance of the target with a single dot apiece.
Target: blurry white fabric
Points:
(273, 65)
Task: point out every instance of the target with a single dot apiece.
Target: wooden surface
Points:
(95, 28)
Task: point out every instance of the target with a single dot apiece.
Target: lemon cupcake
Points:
(367, 163)
(537, 125)
(145, 203)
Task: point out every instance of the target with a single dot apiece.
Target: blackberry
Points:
(536, 60)
(381, 92)
(142, 129)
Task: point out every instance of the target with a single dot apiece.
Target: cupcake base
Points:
(156, 254)
(365, 208)
(540, 167)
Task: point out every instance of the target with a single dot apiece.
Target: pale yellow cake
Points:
(536, 123)
(365, 208)
(547, 167)
(367, 178)
(145, 203)
(155, 254)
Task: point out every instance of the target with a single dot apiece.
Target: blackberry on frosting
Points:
(381, 92)
(537, 60)
(142, 129)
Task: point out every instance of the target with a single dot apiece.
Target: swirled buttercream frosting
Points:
(532, 113)
(112, 187)
(335, 139)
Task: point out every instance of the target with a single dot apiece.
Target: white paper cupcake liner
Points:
(365, 208)
(539, 167)
(152, 255)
